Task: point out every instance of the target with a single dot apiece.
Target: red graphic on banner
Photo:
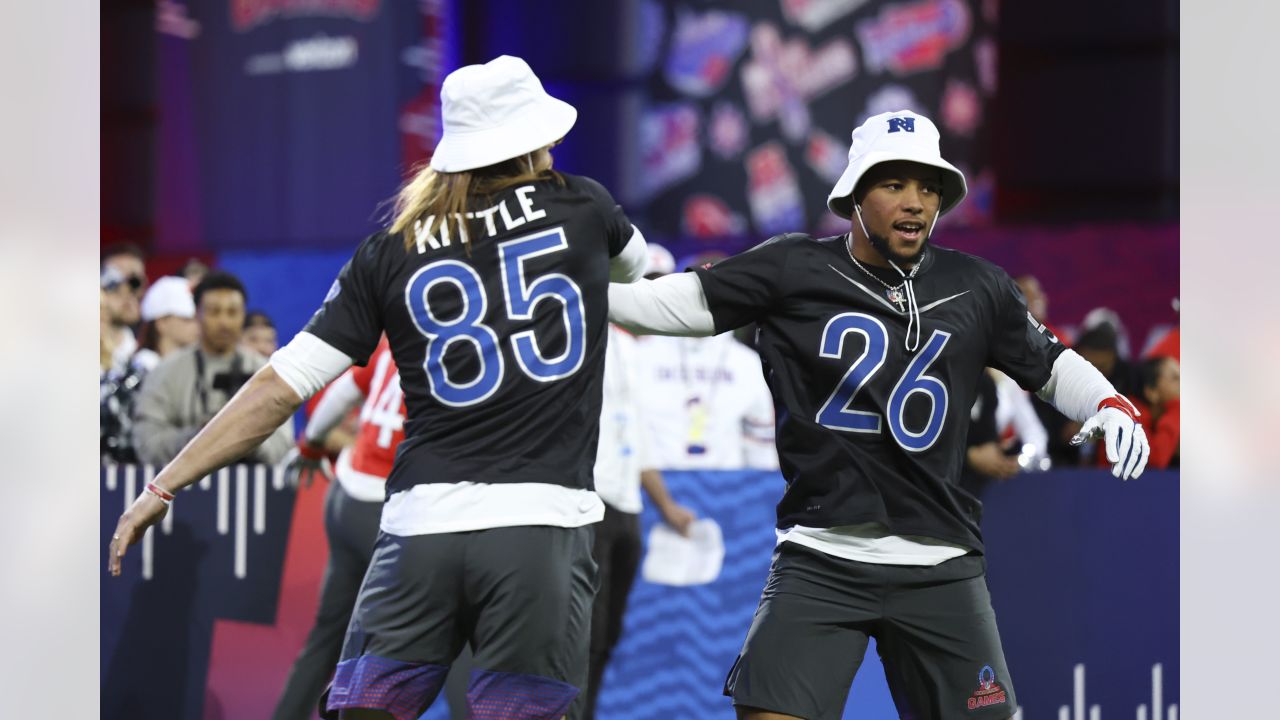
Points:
(243, 650)
(910, 38)
(245, 14)
(961, 108)
(708, 216)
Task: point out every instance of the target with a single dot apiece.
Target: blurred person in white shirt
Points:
(705, 401)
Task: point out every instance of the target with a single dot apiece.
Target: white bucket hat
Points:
(495, 112)
(901, 135)
(168, 296)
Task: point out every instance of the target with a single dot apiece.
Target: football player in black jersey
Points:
(872, 343)
(491, 285)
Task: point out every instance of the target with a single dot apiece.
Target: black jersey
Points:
(501, 351)
(867, 430)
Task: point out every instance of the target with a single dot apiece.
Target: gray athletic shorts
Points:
(934, 628)
(521, 595)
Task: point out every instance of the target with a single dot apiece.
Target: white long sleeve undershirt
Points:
(670, 305)
(308, 363)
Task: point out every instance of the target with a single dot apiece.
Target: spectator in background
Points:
(1019, 427)
(119, 312)
(623, 466)
(192, 384)
(1038, 305)
(168, 322)
(260, 333)
(194, 271)
(1161, 390)
(128, 260)
(1106, 316)
(1101, 344)
(985, 460)
(1170, 344)
(707, 405)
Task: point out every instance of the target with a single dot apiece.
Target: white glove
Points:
(1125, 440)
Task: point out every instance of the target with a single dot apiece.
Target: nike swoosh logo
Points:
(867, 290)
(936, 303)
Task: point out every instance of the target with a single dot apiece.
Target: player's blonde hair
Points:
(431, 200)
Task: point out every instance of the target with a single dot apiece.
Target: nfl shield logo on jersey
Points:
(989, 691)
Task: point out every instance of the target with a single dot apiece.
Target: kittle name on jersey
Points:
(441, 238)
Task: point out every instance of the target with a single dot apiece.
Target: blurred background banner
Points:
(215, 604)
(271, 131)
(285, 124)
(749, 106)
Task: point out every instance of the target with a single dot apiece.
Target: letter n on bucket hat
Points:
(495, 112)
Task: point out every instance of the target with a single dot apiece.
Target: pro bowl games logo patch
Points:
(989, 691)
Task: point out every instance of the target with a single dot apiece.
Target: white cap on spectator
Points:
(661, 261)
(168, 296)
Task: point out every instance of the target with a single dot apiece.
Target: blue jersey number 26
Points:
(837, 413)
(521, 294)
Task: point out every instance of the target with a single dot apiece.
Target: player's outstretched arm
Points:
(1079, 391)
(670, 305)
(250, 417)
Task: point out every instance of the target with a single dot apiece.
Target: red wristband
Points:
(164, 495)
(1121, 403)
(310, 451)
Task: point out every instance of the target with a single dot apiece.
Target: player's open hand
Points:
(1123, 437)
(146, 511)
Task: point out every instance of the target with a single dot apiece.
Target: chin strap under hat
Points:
(889, 137)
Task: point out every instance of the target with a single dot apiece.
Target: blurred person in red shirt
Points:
(1161, 391)
(1168, 346)
(353, 509)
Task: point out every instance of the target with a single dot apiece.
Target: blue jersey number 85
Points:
(836, 413)
(521, 294)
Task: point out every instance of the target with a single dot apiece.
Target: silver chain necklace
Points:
(895, 291)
